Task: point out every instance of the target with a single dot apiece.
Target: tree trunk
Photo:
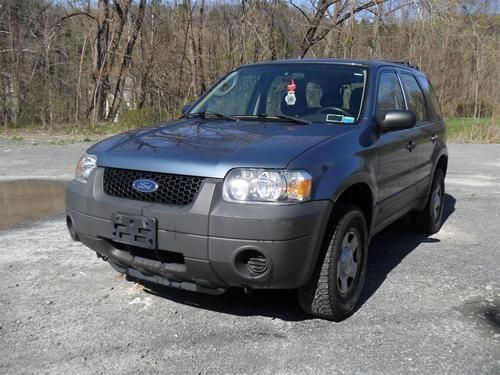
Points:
(118, 92)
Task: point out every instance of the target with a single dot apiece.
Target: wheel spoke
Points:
(345, 241)
(348, 262)
(339, 269)
(436, 200)
(354, 269)
(343, 284)
(353, 245)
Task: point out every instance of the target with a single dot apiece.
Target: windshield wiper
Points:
(206, 114)
(284, 117)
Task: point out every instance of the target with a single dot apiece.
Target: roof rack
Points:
(405, 63)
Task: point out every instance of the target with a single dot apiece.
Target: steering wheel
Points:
(336, 109)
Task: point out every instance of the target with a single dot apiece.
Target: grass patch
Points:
(469, 130)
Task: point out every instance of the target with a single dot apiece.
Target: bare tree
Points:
(323, 21)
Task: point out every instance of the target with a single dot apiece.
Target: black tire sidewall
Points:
(353, 220)
(438, 180)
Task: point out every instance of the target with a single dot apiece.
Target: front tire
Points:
(430, 219)
(336, 284)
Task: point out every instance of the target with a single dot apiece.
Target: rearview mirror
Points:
(398, 119)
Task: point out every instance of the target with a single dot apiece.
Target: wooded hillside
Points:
(82, 62)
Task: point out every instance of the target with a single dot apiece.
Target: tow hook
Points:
(104, 258)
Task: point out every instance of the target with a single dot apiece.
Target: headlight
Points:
(85, 165)
(267, 185)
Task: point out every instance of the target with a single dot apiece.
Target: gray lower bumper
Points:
(209, 234)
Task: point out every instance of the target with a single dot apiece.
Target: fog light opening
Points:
(257, 264)
(251, 263)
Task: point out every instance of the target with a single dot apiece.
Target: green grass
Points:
(469, 130)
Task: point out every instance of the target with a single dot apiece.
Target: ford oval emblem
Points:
(144, 185)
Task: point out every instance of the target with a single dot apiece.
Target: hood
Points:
(210, 148)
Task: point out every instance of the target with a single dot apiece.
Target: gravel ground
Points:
(431, 304)
(21, 160)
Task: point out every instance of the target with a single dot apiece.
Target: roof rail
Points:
(405, 63)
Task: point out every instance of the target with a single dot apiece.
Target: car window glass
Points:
(233, 94)
(277, 90)
(323, 93)
(389, 96)
(416, 99)
(434, 102)
(313, 95)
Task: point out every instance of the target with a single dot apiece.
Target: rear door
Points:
(397, 156)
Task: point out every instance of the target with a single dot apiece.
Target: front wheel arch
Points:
(359, 194)
(320, 296)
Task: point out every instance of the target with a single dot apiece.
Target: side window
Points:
(416, 99)
(434, 102)
(390, 95)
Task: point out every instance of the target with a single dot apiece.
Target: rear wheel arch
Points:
(442, 164)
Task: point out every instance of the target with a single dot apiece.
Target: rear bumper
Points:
(210, 236)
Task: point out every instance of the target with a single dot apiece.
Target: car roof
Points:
(372, 64)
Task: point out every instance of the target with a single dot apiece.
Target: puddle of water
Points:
(26, 200)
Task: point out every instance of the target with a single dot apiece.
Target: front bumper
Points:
(207, 237)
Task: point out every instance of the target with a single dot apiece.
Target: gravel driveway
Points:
(431, 304)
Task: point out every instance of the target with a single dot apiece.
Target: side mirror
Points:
(397, 120)
(186, 107)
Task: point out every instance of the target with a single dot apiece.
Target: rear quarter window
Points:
(433, 100)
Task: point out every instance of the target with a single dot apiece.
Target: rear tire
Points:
(336, 284)
(430, 219)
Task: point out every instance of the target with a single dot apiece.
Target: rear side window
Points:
(390, 95)
(416, 99)
(434, 101)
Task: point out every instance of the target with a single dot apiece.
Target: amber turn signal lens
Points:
(299, 186)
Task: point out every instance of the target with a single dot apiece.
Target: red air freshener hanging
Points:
(290, 98)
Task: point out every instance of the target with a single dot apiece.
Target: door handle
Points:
(411, 146)
(434, 138)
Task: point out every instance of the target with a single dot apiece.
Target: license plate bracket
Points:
(134, 230)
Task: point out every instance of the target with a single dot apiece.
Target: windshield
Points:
(328, 93)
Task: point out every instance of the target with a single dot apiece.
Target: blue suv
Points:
(277, 177)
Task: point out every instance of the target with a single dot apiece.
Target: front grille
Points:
(172, 188)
